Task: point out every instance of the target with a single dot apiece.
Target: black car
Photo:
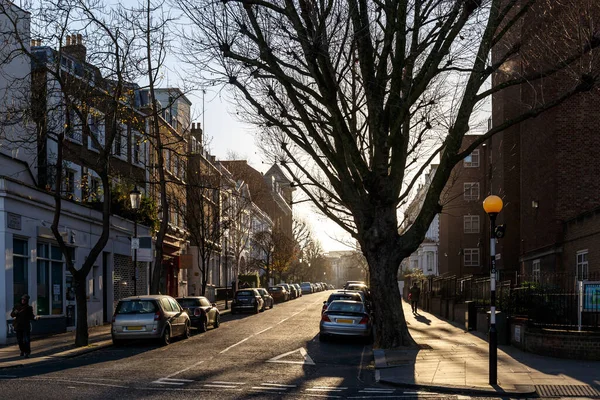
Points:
(267, 298)
(202, 313)
(247, 300)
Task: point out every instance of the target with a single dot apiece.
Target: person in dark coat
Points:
(23, 314)
(415, 293)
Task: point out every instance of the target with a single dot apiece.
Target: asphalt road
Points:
(269, 355)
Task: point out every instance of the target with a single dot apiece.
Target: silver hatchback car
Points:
(346, 318)
(149, 317)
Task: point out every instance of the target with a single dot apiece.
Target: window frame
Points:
(469, 220)
(473, 159)
(49, 264)
(470, 253)
(17, 295)
(536, 267)
(583, 265)
(468, 188)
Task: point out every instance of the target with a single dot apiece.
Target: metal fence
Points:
(548, 300)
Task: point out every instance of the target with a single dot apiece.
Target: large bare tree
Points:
(356, 98)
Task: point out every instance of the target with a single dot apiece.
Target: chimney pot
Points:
(68, 40)
(79, 38)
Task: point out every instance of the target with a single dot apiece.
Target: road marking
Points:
(228, 383)
(266, 388)
(376, 391)
(263, 331)
(293, 315)
(377, 375)
(329, 396)
(303, 352)
(169, 381)
(7, 376)
(361, 364)
(278, 385)
(186, 369)
(221, 386)
(73, 381)
(326, 389)
(233, 345)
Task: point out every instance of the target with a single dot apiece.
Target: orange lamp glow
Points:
(492, 204)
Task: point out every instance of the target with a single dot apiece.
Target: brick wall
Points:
(571, 345)
(582, 233)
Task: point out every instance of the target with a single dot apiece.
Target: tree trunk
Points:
(81, 331)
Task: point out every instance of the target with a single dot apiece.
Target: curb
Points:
(527, 391)
(64, 354)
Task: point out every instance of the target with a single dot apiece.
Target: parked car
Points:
(354, 283)
(306, 288)
(149, 317)
(342, 295)
(202, 313)
(268, 300)
(298, 289)
(247, 300)
(346, 318)
(290, 290)
(279, 294)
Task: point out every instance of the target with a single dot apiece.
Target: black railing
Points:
(545, 300)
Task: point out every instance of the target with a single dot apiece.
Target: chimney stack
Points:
(75, 47)
(196, 131)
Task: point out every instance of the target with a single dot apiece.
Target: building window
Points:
(94, 189)
(429, 256)
(471, 223)
(471, 191)
(118, 144)
(472, 160)
(69, 183)
(471, 257)
(20, 269)
(49, 280)
(72, 127)
(535, 271)
(137, 150)
(94, 123)
(582, 265)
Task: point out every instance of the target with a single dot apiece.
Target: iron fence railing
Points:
(546, 300)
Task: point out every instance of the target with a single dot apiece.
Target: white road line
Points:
(322, 395)
(323, 390)
(175, 380)
(228, 383)
(186, 369)
(376, 391)
(233, 345)
(221, 386)
(267, 388)
(160, 382)
(361, 364)
(72, 381)
(377, 375)
(278, 385)
(263, 331)
(329, 387)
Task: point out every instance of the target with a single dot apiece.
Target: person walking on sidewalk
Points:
(414, 294)
(23, 315)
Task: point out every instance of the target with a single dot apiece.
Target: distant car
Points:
(341, 295)
(354, 283)
(290, 290)
(247, 300)
(149, 317)
(330, 287)
(298, 289)
(268, 300)
(278, 293)
(202, 313)
(306, 288)
(346, 318)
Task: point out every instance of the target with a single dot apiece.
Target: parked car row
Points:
(251, 299)
(348, 312)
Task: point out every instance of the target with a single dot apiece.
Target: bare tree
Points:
(357, 98)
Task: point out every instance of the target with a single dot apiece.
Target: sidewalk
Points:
(450, 360)
(44, 349)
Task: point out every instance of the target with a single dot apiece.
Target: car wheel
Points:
(203, 327)
(217, 322)
(188, 331)
(166, 337)
(264, 307)
(118, 342)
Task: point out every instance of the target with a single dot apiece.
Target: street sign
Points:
(135, 243)
(498, 256)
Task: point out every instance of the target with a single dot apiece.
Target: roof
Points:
(177, 90)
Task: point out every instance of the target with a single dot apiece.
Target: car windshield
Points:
(186, 303)
(245, 293)
(136, 307)
(345, 307)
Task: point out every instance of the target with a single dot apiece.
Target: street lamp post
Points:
(226, 236)
(135, 196)
(492, 206)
